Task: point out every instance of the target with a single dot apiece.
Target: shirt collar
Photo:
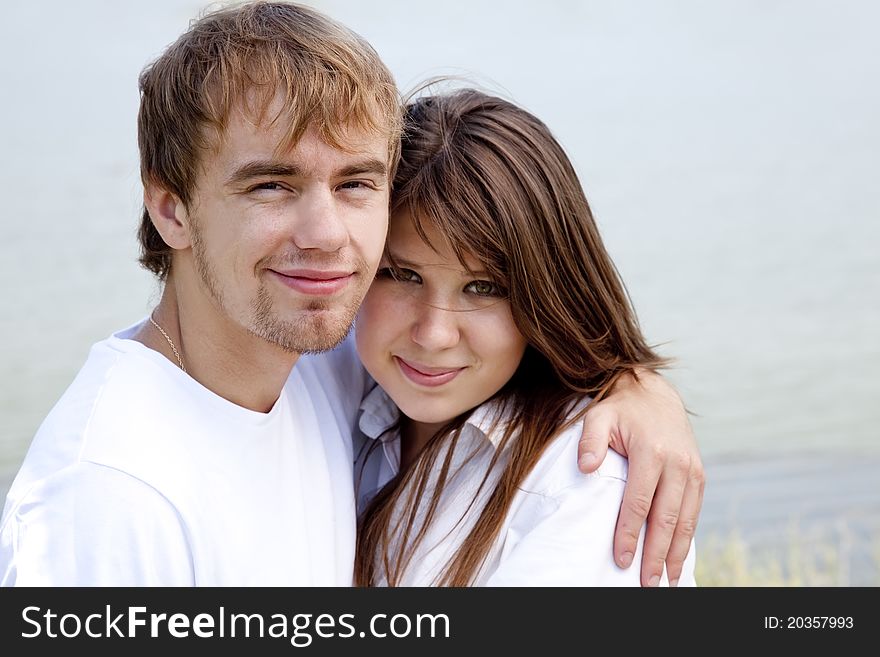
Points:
(379, 413)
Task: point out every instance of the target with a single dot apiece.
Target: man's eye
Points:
(354, 184)
(484, 289)
(267, 186)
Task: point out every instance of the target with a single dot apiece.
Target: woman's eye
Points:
(484, 289)
(398, 274)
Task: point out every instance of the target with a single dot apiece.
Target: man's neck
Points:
(217, 351)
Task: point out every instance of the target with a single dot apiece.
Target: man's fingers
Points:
(664, 517)
(637, 496)
(687, 523)
(596, 435)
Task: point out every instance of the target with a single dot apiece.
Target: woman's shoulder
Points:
(557, 469)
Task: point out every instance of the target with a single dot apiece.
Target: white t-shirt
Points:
(559, 530)
(142, 476)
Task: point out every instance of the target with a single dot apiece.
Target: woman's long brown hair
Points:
(490, 178)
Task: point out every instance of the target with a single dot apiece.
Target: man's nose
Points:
(320, 223)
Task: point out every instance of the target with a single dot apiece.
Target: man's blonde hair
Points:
(245, 56)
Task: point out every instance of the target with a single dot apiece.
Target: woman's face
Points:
(438, 339)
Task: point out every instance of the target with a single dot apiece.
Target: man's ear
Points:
(169, 216)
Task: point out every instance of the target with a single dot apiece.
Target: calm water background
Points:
(730, 150)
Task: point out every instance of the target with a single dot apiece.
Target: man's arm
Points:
(645, 420)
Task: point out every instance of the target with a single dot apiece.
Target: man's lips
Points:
(427, 376)
(314, 282)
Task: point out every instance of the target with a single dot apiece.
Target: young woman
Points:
(495, 318)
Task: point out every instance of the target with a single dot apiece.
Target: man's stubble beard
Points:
(317, 331)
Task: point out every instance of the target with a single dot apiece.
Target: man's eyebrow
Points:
(370, 165)
(261, 169)
(268, 168)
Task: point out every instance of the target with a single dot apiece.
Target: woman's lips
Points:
(314, 282)
(427, 376)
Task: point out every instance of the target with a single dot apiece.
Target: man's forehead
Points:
(346, 139)
(287, 126)
(241, 157)
(282, 139)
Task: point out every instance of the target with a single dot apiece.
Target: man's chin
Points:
(312, 331)
(328, 338)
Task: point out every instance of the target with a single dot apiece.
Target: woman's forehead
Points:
(407, 247)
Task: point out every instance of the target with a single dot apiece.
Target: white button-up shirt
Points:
(558, 531)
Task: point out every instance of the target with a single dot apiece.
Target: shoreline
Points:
(811, 512)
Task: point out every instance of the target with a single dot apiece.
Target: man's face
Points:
(286, 244)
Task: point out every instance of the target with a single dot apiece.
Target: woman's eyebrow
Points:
(403, 262)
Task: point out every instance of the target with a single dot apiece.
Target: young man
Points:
(201, 446)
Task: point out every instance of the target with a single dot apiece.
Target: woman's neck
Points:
(413, 438)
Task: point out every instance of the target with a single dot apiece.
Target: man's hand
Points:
(646, 421)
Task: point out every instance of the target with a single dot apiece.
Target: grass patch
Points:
(838, 558)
